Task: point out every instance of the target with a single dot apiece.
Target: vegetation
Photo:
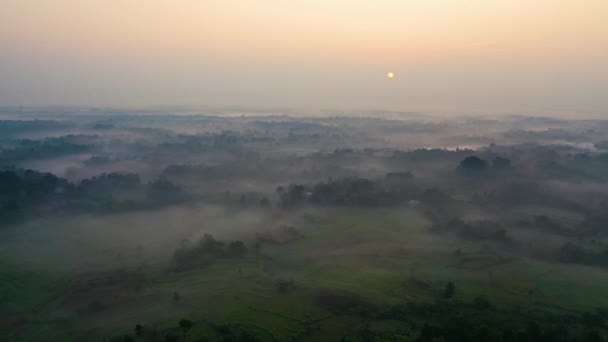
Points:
(28, 193)
(273, 228)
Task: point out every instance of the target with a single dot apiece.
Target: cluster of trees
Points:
(197, 144)
(594, 254)
(577, 254)
(342, 302)
(243, 165)
(349, 192)
(183, 329)
(39, 149)
(451, 318)
(97, 160)
(23, 189)
(547, 224)
(27, 191)
(517, 193)
(448, 318)
(480, 320)
(206, 251)
(475, 166)
(595, 224)
(284, 286)
(575, 167)
(16, 127)
(107, 184)
(226, 141)
(602, 145)
(253, 199)
(478, 230)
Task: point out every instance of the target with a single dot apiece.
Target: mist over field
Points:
(304, 170)
(162, 226)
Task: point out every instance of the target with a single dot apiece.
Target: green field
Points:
(94, 277)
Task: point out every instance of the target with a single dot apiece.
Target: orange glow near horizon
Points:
(359, 30)
(184, 41)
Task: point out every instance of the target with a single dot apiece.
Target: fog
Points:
(319, 170)
(157, 225)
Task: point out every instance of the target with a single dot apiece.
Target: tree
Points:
(162, 191)
(138, 329)
(295, 195)
(209, 244)
(472, 164)
(237, 249)
(482, 303)
(258, 247)
(185, 325)
(427, 333)
(501, 163)
(449, 291)
(285, 285)
(264, 202)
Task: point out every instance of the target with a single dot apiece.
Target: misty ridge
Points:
(143, 225)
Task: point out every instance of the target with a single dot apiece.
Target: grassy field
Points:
(95, 277)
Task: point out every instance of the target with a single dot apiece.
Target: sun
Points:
(390, 75)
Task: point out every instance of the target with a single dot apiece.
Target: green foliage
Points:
(482, 303)
(358, 192)
(27, 149)
(472, 165)
(138, 329)
(478, 230)
(501, 163)
(162, 192)
(339, 301)
(461, 321)
(35, 193)
(185, 325)
(205, 251)
(573, 253)
(449, 291)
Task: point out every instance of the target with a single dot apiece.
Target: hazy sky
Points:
(537, 55)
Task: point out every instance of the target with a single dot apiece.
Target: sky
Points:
(450, 55)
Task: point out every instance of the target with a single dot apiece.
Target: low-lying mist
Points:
(154, 227)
